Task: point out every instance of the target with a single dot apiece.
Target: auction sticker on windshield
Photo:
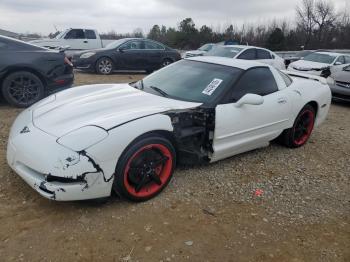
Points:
(209, 90)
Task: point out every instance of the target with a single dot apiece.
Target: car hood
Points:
(44, 41)
(308, 65)
(196, 52)
(105, 106)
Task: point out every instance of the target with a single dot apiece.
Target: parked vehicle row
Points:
(128, 138)
(28, 72)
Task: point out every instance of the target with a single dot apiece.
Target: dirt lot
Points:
(207, 213)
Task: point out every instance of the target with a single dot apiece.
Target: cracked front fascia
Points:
(82, 169)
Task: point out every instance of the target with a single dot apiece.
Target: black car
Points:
(28, 72)
(126, 54)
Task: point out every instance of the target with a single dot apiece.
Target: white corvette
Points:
(84, 142)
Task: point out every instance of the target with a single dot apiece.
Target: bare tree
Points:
(305, 18)
(324, 17)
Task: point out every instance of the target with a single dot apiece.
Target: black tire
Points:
(22, 89)
(166, 62)
(299, 134)
(104, 66)
(131, 171)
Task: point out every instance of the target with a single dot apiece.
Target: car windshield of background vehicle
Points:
(206, 48)
(115, 44)
(60, 35)
(320, 58)
(230, 52)
(192, 81)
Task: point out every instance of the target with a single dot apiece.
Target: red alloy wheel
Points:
(148, 170)
(303, 127)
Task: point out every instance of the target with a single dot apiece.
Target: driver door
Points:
(131, 55)
(76, 40)
(240, 129)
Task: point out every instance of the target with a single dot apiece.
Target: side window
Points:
(341, 60)
(347, 59)
(262, 54)
(133, 45)
(153, 46)
(75, 34)
(249, 54)
(286, 78)
(259, 81)
(90, 34)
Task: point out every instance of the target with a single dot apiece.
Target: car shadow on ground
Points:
(341, 103)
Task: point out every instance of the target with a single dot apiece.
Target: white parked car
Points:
(84, 142)
(316, 63)
(248, 53)
(200, 51)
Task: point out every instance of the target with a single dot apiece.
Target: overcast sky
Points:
(125, 15)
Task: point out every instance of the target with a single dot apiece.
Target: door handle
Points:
(282, 100)
(85, 41)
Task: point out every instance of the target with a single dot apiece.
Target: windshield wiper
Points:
(160, 91)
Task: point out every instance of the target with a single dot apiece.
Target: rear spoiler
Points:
(320, 79)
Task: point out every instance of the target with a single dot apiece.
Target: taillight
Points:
(67, 61)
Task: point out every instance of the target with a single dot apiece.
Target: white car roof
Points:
(238, 63)
(330, 53)
(247, 47)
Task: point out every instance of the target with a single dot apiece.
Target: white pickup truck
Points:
(74, 39)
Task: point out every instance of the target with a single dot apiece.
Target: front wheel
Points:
(301, 131)
(104, 66)
(145, 168)
(166, 62)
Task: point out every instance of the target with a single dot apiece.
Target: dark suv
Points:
(28, 72)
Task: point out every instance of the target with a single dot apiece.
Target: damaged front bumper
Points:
(51, 169)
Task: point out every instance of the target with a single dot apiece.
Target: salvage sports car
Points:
(84, 142)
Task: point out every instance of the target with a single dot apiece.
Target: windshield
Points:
(115, 44)
(60, 35)
(303, 53)
(230, 52)
(320, 58)
(206, 47)
(191, 81)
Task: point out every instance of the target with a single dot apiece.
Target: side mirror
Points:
(121, 49)
(250, 99)
(338, 63)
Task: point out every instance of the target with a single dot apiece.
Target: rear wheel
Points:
(301, 131)
(104, 66)
(145, 168)
(22, 89)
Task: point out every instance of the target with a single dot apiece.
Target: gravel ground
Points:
(272, 204)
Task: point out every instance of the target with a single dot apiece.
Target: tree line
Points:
(318, 26)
